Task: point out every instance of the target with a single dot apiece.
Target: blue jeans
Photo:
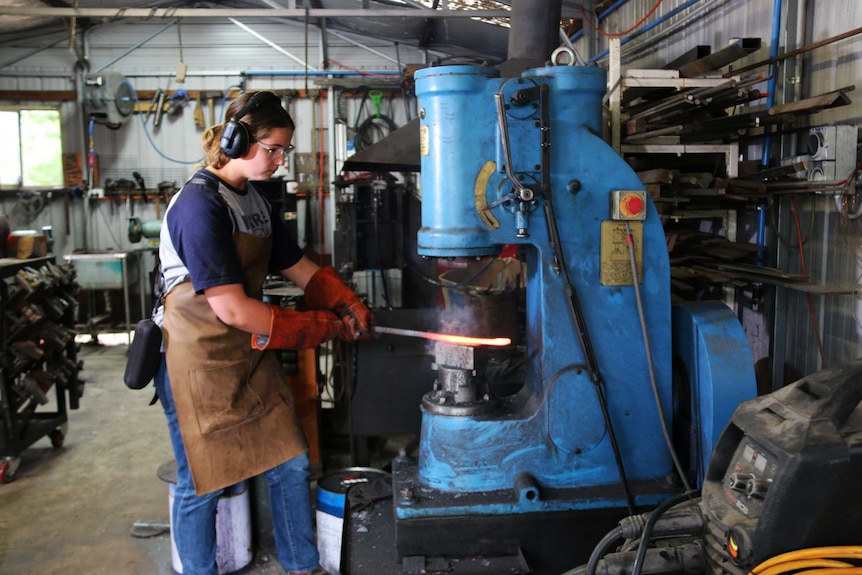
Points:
(194, 516)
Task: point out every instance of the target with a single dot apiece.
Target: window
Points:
(31, 150)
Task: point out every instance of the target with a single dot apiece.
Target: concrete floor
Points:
(71, 510)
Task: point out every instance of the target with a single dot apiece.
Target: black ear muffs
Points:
(236, 135)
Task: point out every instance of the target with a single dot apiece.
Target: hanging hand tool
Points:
(140, 180)
(165, 189)
(376, 96)
(134, 230)
(211, 104)
(177, 101)
(160, 107)
(199, 112)
(154, 103)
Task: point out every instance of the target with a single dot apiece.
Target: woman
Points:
(229, 408)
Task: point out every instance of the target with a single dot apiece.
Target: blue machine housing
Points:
(547, 448)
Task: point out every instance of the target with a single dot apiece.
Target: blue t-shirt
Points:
(196, 240)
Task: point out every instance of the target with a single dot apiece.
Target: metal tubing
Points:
(773, 80)
(792, 53)
(648, 27)
(681, 24)
(727, 55)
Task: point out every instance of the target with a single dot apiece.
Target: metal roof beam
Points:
(155, 13)
(270, 43)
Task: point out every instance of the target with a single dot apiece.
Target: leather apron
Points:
(233, 403)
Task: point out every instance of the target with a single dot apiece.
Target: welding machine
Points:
(782, 486)
(786, 473)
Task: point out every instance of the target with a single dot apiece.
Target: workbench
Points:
(110, 270)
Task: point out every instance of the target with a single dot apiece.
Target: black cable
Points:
(373, 129)
(650, 525)
(603, 402)
(361, 107)
(376, 199)
(601, 548)
(463, 285)
(650, 366)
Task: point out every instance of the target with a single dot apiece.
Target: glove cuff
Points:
(325, 290)
(291, 329)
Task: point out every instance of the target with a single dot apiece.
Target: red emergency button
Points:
(631, 205)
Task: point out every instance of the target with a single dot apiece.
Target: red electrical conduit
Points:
(617, 35)
(807, 294)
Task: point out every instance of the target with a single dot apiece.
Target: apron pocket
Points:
(223, 397)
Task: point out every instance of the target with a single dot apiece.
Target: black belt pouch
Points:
(144, 355)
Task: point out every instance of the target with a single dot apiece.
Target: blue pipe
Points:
(773, 79)
(319, 73)
(648, 27)
(767, 140)
(611, 9)
(761, 230)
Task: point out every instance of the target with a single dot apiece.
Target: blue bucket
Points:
(332, 491)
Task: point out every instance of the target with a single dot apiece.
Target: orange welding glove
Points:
(291, 329)
(325, 290)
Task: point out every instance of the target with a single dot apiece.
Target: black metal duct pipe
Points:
(533, 35)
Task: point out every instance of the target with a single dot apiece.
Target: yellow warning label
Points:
(616, 261)
(424, 146)
(480, 195)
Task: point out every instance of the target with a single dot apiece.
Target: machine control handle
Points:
(521, 192)
(757, 488)
(836, 392)
(738, 481)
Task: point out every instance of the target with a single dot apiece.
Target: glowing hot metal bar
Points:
(445, 337)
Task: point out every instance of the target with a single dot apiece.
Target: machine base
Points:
(550, 543)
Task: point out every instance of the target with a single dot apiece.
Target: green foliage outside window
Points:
(32, 156)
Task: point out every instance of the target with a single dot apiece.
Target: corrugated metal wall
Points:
(218, 52)
(831, 240)
(219, 55)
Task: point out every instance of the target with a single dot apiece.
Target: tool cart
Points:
(39, 301)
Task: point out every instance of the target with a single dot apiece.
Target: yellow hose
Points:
(801, 564)
(843, 571)
(782, 562)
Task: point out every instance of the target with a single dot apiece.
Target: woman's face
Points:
(267, 154)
